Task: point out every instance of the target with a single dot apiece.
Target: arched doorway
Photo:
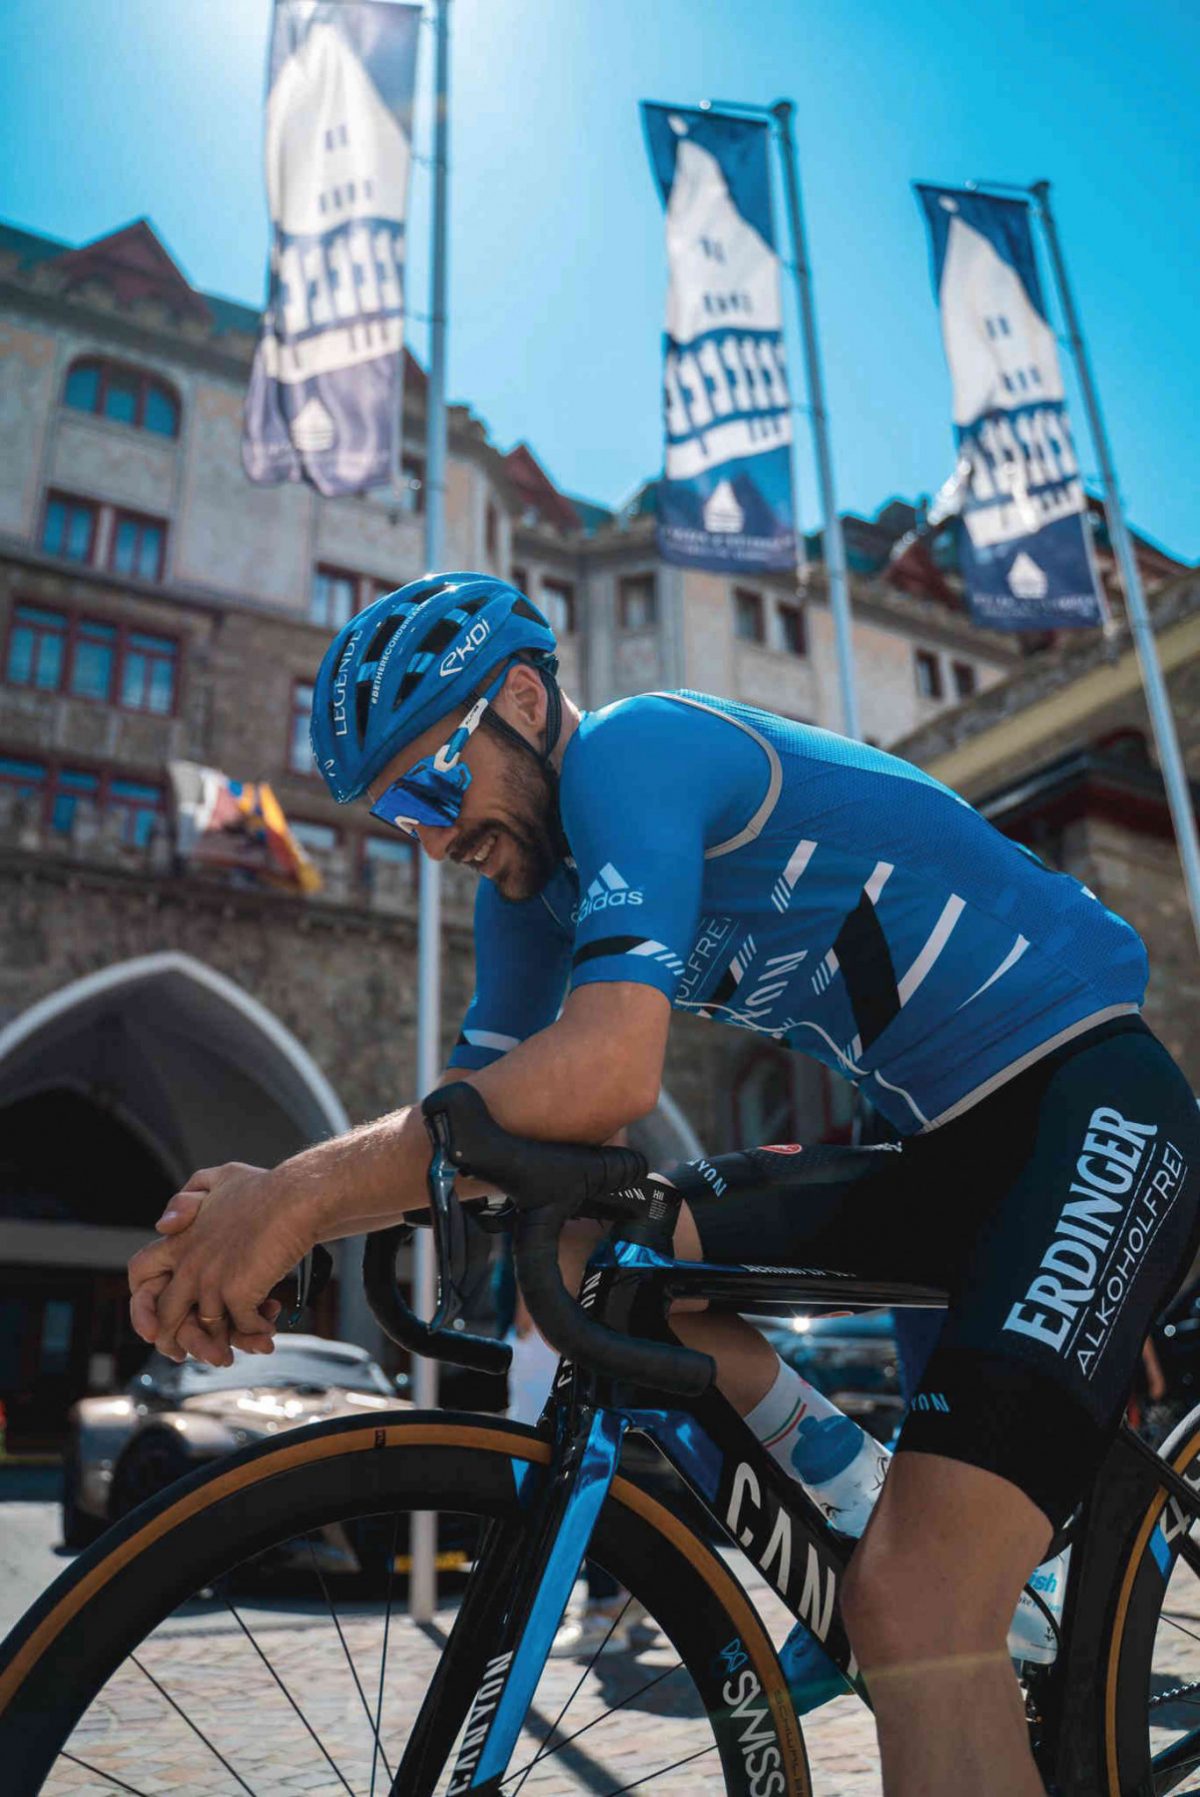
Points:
(112, 1090)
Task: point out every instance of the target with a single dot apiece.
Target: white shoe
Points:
(592, 1630)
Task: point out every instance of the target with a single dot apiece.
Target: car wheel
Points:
(152, 1462)
(78, 1528)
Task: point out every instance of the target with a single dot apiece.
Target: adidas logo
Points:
(608, 890)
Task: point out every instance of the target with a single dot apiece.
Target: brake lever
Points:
(450, 1238)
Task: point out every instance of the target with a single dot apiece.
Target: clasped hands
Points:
(226, 1239)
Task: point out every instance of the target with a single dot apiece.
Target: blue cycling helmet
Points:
(409, 659)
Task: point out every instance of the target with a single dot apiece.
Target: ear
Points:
(521, 701)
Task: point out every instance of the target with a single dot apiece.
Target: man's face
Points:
(505, 830)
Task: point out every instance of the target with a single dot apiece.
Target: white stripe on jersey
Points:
(797, 861)
(938, 939)
(1010, 960)
(491, 1039)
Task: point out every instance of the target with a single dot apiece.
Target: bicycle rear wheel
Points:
(152, 1663)
(1151, 1717)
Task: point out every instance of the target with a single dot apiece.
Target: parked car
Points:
(852, 1359)
(171, 1419)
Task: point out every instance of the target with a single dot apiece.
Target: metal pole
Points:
(422, 1588)
(835, 548)
(1157, 702)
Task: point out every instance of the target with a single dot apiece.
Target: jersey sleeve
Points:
(522, 959)
(634, 807)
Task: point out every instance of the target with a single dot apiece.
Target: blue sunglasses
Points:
(433, 789)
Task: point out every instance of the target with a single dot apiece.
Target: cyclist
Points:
(679, 850)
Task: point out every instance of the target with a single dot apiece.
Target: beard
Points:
(528, 831)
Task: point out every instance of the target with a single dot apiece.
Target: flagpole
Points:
(834, 542)
(1158, 704)
(422, 1589)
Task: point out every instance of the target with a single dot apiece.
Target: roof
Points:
(29, 246)
(136, 266)
(537, 491)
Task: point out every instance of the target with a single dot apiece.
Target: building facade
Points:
(155, 606)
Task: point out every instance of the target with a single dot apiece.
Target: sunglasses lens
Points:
(424, 797)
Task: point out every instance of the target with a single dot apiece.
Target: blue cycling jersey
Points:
(782, 878)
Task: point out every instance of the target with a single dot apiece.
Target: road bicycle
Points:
(148, 1666)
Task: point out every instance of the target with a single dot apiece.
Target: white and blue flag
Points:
(725, 499)
(325, 391)
(1024, 546)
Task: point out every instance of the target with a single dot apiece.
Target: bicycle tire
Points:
(1141, 1593)
(88, 1623)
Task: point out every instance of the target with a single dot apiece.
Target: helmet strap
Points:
(501, 727)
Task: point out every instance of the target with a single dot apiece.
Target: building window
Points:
(391, 851)
(68, 787)
(412, 483)
(636, 605)
(793, 635)
(91, 659)
(318, 839)
(69, 529)
(138, 546)
(140, 808)
(148, 673)
(929, 674)
(964, 679)
(748, 621)
(558, 603)
(336, 598)
(94, 660)
(37, 649)
(126, 395)
(300, 755)
(64, 790)
(491, 532)
(26, 778)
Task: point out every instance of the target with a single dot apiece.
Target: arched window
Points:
(126, 395)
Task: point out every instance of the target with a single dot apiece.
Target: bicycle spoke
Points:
(108, 1777)
(300, 1713)
(663, 1770)
(387, 1622)
(574, 1694)
(195, 1727)
(362, 1696)
(548, 1753)
(1178, 1625)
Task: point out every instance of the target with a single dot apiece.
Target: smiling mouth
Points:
(479, 857)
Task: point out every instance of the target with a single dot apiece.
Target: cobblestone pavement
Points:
(134, 1741)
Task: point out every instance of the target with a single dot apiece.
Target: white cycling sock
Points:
(835, 1460)
(776, 1418)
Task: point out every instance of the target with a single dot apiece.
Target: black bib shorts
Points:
(1059, 1213)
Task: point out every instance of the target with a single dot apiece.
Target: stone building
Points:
(1061, 755)
(156, 606)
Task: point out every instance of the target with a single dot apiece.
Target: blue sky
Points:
(114, 108)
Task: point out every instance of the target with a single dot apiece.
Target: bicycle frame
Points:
(526, 1569)
(735, 1481)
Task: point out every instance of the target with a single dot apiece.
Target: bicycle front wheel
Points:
(166, 1658)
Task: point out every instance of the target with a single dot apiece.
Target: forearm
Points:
(568, 1083)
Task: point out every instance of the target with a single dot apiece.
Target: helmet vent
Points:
(383, 637)
(408, 686)
(362, 707)
(523, 609)
(441, 636)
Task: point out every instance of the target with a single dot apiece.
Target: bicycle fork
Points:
(511, 1610)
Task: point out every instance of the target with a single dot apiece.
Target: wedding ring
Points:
(204, 1319)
